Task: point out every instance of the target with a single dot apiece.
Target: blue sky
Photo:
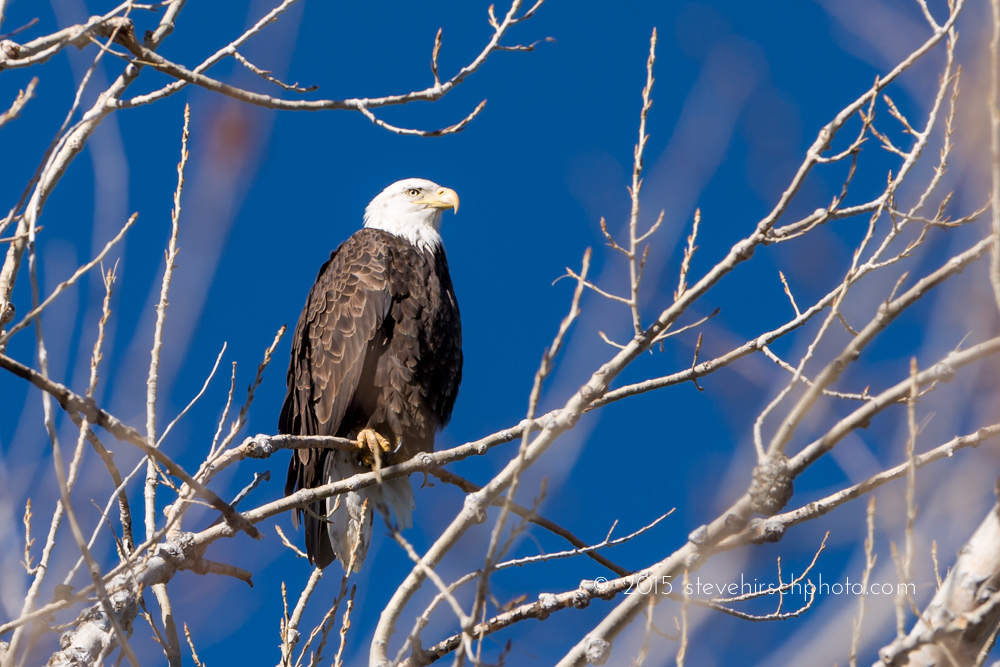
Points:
(741, 90)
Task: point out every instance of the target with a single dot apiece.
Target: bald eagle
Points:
(377, 358)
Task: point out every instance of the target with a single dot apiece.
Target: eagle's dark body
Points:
(379, 346)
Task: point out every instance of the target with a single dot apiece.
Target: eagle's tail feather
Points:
(397, 495)
(391, 498)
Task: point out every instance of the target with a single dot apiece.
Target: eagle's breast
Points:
(419, 370)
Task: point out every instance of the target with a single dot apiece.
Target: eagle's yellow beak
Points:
(444, 198)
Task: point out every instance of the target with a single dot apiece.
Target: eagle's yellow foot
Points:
(373, 444)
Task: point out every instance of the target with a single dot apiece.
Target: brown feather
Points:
(378, 345)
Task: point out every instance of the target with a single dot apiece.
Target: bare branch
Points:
(194, 654)
(791, 298)
(66, 147)
(201, 392)
(451, 129)
(635, 272)
(960, 621)
(994, 110)
(295, 88)
(434, 93)
(75, 404)
(14, 56)
(688, 254)
(532, 516)
(766, 529)
(28, 541)
(887, 313)
(23, 97)
(870, 559)
(905, 567)
(290, 624)
(69, 282)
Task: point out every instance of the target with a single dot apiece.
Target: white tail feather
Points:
(393, 499)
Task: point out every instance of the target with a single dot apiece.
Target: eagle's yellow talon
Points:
(372, 444)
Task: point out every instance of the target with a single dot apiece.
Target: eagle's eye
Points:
(412, 192)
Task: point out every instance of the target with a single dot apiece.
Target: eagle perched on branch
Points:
(377, 358)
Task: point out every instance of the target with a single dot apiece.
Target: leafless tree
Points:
(914, 246)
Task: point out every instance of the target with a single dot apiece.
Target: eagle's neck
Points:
(420, 227)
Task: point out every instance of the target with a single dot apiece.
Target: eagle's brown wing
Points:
(336, 340)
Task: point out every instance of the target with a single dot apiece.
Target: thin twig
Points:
(201, 392)
(689, 251)
(468, 487)
(290, 624)
(870, 558)
(294, 87)
(69, 282)
(23, 97)
(994, 112)
(906, 566)
(194, 654)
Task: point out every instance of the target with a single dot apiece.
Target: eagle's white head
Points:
(412, 209)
